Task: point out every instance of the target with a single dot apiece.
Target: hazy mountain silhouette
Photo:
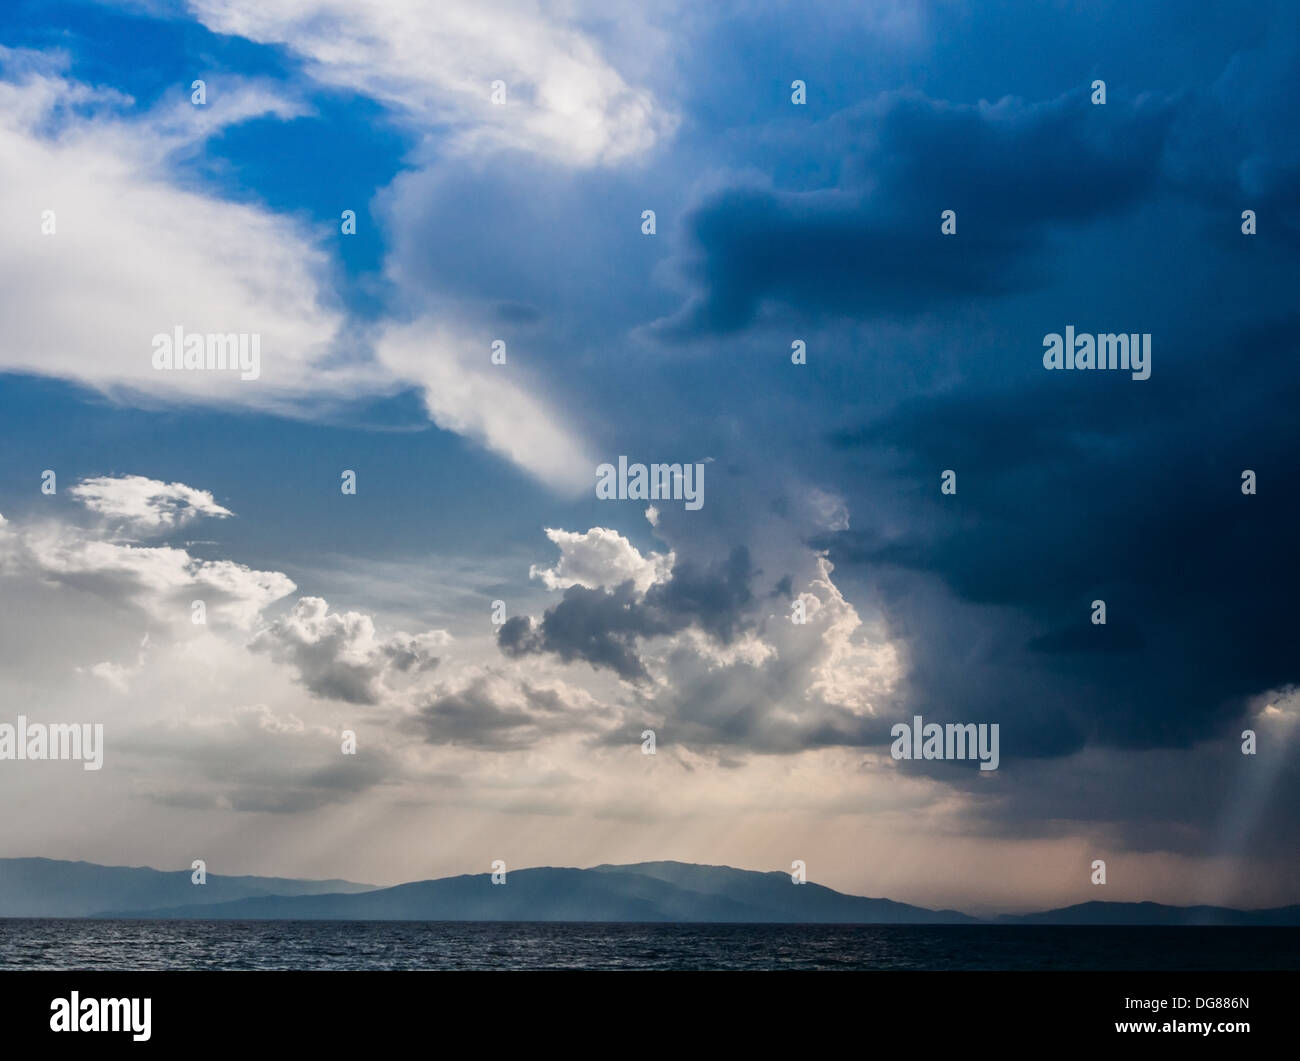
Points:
(645, 891)
(653, 891)
(1098, 913)
(44, 887)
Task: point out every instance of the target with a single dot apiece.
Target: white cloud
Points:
(848, 670)
(146, 506)
(600, 557)
(492, 404)
(339, 656)
(160, 581)
(133, 255)
(769, 684)
(436, 64)
(781, 686)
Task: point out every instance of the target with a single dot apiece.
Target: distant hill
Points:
(646, 892)
(652, 891)
(1097, 913)
(44, 887)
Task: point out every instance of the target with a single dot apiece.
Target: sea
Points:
(461, 945)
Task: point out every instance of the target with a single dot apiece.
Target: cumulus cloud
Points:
(600, 557)
(603, 625)
(783, 687)
(599, 626)
(339, 656)
(700, 652)
(159, 581)
(129, 649)
(144, 506)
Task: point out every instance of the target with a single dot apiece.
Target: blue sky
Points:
(775, 222)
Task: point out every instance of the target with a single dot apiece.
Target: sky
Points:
(498, 158)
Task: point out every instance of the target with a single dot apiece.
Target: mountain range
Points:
(44, 887)
(642, 892)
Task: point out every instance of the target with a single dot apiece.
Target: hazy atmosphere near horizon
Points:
(381, 596)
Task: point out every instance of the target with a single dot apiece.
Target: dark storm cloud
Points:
(603, 626)
(1098, 488)
(1238, 143)
(871, 246)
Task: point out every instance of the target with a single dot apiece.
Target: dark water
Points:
(123, 945)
